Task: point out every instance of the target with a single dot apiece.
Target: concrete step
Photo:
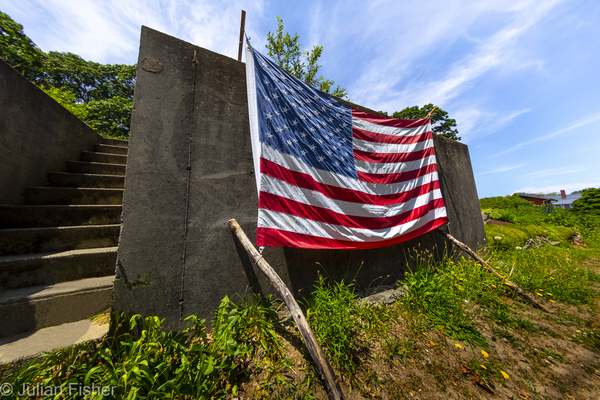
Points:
(103, 158)
(24, 347)
(51, 268)
(32, 308)
(109, 149)
(61, 195)
(58, 215)
(85, 167)
(69, 179)
(62, 238)
(116, 142)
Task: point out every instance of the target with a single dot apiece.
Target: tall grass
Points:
(332, 312)
(450, 295)
(161, 364)
(551, 272)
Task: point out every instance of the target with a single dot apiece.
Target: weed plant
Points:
(162, 364)
(550, 272)
(450, 295)
(332, 312)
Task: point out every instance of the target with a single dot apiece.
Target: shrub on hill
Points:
(506, 202)
(589, 202)
(517, 235)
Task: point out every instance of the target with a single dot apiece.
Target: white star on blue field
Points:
(320, 131)
(519, 77)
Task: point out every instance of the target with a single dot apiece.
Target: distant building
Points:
(537, 200)
(565, 200)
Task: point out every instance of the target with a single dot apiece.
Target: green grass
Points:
(550, 272)
(450, 295)
(332, 312)
(396, 348)
(164, 364)
(517, 235)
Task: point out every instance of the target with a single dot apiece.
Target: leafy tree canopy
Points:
(18, 51)
(86, 79)
(506, 202)
(589, 202)
(580, 191)
(285, 50)
(441, 124)
(101, 95)
(111, 117)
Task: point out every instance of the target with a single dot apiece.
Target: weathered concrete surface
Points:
(27, 346)
(31, 308)
(190, 170)
(37, 135)
(460, 194)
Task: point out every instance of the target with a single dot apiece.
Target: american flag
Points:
(331, 176)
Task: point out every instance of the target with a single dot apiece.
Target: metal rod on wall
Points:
(242, 26)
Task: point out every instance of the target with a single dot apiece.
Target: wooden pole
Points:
(307, 334)
(242, 27)
(431, 112)
(513, 286)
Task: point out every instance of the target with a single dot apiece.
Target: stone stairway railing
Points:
(58, 251)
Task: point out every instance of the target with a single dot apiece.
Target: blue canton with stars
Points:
(299, 120)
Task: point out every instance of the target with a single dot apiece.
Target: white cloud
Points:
(108, 31)
(440, 25)
(569, 127)
(499, 170)
(552, 172)
(474, 123)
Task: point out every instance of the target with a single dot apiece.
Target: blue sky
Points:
(520, 77)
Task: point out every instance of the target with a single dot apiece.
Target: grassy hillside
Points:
(458, 332)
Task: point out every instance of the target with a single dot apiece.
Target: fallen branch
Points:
(510, 284)
(307, 334)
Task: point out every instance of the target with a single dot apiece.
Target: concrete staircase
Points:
(58, 251)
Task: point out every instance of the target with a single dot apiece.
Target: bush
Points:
(517, 235)
(589, 202)
(507, 202)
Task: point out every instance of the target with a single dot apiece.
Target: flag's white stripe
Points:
(393, 168)
(372, 147)
(253, 113)
(331, 178)
(291, 223)
(389, 130)
(317, 199)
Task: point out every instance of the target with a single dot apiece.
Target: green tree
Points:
(441, 124)
(68, 100)
(86, 79)
(101, 95)
(18, 51)
(589, 202)
(285, 50)
(111, 117)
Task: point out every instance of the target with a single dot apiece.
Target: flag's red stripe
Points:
(397, 178)
(389, 139)
(278, 238)
(281, 204)
(306, 181)
(393, 157)
(387, 121)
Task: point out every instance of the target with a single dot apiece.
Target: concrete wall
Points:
(37, 135)
(190, 170)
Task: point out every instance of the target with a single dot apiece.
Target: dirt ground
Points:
(556, 356)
